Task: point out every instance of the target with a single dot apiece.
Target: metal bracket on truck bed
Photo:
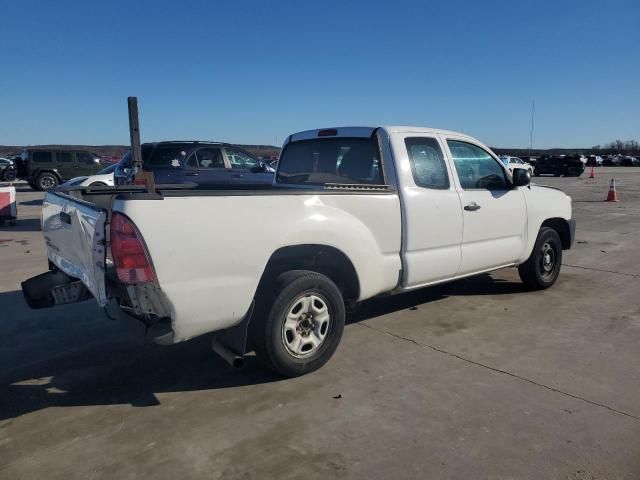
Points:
(53, 288)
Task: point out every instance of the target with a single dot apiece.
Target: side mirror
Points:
(521, 177)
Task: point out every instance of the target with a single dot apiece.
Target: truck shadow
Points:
(23, 225)
(105, 364)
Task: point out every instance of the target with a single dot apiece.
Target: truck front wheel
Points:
(542, 268)
(301, 326)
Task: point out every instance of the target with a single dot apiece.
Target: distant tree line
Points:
(628, 147)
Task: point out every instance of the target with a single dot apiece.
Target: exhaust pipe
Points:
(228, 355)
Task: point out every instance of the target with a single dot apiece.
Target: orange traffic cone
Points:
(613, 195)
(593, 172)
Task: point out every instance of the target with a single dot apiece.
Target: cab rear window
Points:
(330, 160)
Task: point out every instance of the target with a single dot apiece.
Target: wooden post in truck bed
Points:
(141, 177)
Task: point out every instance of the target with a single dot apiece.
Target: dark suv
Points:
(202, 163)
(45, 168)
(568, 165)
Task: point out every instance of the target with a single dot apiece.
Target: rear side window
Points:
(65, 157)
(166, 157)
(427, 162)
(84, 157)
(476, 168)
(331, 160)
(42, 157)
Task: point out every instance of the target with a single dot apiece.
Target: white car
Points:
(103, 178)
(515, 162)
(353, 213)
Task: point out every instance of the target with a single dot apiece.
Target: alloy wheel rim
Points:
(547, 260)
(306, 325)
(47, 182)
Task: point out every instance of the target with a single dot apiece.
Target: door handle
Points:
(237, 175)
(192, 174)
(472, 207)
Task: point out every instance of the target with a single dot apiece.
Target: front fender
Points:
(550, 206)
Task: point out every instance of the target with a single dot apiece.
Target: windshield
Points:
(330, 160)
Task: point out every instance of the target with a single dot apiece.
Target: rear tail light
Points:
(130, 255)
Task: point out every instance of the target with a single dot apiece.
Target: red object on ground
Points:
(593, 172)
(612, 196)
(8, 204)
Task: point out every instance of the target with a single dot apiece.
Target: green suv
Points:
(46, 168)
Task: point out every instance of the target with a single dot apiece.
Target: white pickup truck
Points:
(353, 213)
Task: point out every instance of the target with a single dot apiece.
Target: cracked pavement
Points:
(481, 380)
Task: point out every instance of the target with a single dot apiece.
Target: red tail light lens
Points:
(129, 253)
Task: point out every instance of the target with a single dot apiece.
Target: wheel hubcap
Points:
(548, 259)
(306, 325)
(46, 182)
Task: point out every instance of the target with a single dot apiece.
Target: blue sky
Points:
(253, 72)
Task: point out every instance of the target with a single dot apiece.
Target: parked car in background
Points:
(7, 170)
(45, 168)
(567, 165)
(350, 215)
(104, 177)
(594, 160)
(612, 161)
(516, 162)
(202, 163)
(629, 161)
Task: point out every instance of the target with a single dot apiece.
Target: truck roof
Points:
(366, 132)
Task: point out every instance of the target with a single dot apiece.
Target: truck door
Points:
(432, 216)
(494, 213)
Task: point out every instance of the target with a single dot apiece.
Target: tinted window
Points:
(42, 156)
(65, 157)
(476, 168)
(84, 157)
(427, 162)
(166, 157)
(241, 160)
(330, 160)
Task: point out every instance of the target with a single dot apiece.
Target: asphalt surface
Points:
(474, 379)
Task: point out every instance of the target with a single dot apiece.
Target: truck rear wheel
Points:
(301, 324)
(542, 268)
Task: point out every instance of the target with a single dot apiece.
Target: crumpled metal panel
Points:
(74, 231)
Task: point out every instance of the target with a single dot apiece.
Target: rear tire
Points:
(299, 323)
(46, 181)
(542, 268)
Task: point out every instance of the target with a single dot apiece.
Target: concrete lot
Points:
(482, 380)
